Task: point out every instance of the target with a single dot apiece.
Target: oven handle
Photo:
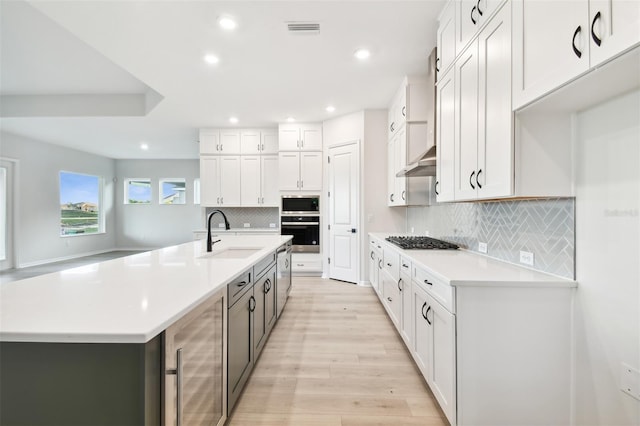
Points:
(300, 223)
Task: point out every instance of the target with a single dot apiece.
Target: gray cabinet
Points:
(264, 314)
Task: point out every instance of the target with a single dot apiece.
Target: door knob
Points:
(353, 230)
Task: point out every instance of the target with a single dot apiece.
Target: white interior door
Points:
(6, 215)
(344, 198)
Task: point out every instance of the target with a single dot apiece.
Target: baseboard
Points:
(365, 284)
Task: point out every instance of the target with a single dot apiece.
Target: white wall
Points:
(370, 128)
(37, 226)
(147, 226)
(607, 310)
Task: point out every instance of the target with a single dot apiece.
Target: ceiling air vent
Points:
(303, 27)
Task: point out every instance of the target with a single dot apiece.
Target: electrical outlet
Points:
(630, 381)
(482, 247)
(427, 233)
(221, 225)
(247, 225)
(526, 257)
(272, 225)
(413, 230)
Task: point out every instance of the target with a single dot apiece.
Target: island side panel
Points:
(80, 383)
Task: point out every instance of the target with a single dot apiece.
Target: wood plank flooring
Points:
(335, 358)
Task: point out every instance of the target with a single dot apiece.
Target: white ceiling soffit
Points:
(265, 73)
(48, 72)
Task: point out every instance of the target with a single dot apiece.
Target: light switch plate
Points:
(247, 225)
(526, 257)
(630, 381)
(482, 247)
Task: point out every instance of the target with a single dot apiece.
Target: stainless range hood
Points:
(421, 147)
(426, 166)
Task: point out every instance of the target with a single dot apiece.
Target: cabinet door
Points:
(406, 310)
(392, 198)
(392, 126)
(442, 363)
(422, 343)
(469, 21)
(545, 33)
(494, 177)
(391, 297)
(269, 181)
(466, 130)
(229, 142)
(311, 136)
(289, 170)
(446, 38)
(209, 141)
(616, 23)
(270, 300)
(311, 171)
(445, 138)
(373, 269)
(250, 142)
(229, 180)
(400, 159)
(288, 137)
(259, 315)
(240, 347)
(269, 141)
(250, 183)
(210, 180)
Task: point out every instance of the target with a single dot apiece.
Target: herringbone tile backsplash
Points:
(545, 227)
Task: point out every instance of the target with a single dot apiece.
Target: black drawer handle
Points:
(389, 299)
(471, 179)
(403, 192)
(422, 310)
(252, 307)
(426, 315)
(404, 110)
(241, 284)
(478, 179)
(399, 287)
(478, 6)
(427, 282)
(380, 264)
(372, 255)
(389, 265)
(437, 67)
(404, 265)
(593, 33)
(573, 42)
(473, 20)
(435, 188)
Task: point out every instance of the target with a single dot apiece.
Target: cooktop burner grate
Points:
(421, 243)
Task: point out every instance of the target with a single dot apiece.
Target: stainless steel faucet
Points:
(226, 225)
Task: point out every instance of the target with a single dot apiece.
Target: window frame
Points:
(102, 228)
(161, 181)
(126, 191)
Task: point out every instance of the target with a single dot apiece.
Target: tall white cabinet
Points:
(300, 157)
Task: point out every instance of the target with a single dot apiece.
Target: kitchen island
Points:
(86, 345)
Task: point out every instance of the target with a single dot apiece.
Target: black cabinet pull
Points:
(593, 33)
(252, 308)
(399, 281)
(389, 265)
(286, 263)
(437, 62)
(372, 255)
(471, 179)
(404, 265)
(478, 7)
(380, 264)
(427, 282)
(573, 42)
(478, 179)
(426, 315)
(422, 310)
(389, 299)
(267, 286)
(435, 188)
(473, 20)
(403, 192)
(404, 110)
(391, 197)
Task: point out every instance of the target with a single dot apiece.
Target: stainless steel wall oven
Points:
(301, 218)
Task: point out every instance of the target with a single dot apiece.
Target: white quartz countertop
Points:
(464, 268)
(222, 231)
(126, 300)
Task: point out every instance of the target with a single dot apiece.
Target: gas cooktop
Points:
(421, 243)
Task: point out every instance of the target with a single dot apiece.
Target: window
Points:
(80, 204)
(137, 191)
(173, 191)
(196, 191)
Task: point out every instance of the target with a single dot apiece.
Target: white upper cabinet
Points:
(220, 181)
(209, 180)
(269, 174)
(250, 194)
(300, 137)
(561, 40)
(289, 165)
(209, 141)
(614, 28)
(311, 171)
(446, 38)
(229, 180)
(472, 16)
(250, 142)
(229, 141)
(269, 141)
(445, 137)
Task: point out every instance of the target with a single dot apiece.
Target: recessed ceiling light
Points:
(211, 59)
(330, 108)
(233, 120)
(291, 120)
(362, 54)
(144, 146)
(227, 23)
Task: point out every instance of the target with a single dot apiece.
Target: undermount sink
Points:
(231, 253)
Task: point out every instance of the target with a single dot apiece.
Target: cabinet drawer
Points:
(261, 267)
(405, 266)
(391, 262)
(238, 287)
(306, 266)
(438, 289)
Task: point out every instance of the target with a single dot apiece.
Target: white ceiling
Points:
(153, 50)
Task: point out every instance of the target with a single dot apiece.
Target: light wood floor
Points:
(334, 358)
